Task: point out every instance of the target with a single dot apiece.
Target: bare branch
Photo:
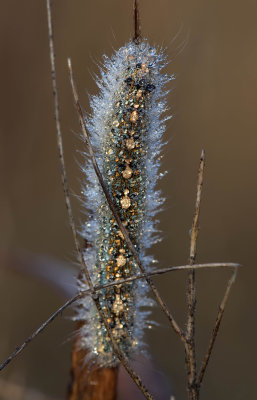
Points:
(19, 349)
(69, 302)
(216, 328)
(161, 272)
(191, 290)
(137, 27)
(195, 227)
(124, 231)
(60, 143)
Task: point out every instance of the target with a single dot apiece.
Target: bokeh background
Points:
(213, 52)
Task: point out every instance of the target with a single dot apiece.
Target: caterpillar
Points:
(126, 130)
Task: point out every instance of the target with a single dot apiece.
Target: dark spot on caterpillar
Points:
(140, 84)
(128, 80)
(129, 110)
(122, 165)
(133, 163)
(149, 87)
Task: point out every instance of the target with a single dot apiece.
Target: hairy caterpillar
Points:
(126, 131)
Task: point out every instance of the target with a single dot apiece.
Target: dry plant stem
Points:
(215, 329)
(137, 27)
(161, 272)
(124, 231)
(89, 382)
(20, 348)
(60, 143)
(193, 392)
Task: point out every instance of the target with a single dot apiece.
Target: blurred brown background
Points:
(213, 101)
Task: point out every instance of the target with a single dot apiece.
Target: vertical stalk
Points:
(137, 24)
(89, 382)
(190, 345)
(193, 389)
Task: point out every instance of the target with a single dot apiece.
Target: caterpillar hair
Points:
(126, 131)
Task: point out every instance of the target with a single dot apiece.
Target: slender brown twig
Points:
(191, 291)
(216, 329)
(124, 231)
(194, 380)
(60, 142)
(72, 300)
(19, 349)
(137, 26)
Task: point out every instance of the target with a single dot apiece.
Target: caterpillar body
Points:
(126, 131)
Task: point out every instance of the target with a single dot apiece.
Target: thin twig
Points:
(191, 290)
(195, 226)
(124, 231)
(161, 272)
(137, 27)
(60, 143)
(86, 292)
(19, 349)
(215, 329)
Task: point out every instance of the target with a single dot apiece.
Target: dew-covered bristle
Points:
(126, 131)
